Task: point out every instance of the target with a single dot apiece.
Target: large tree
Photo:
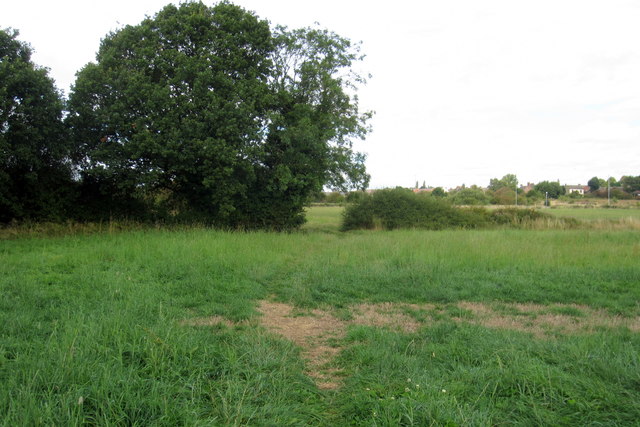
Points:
(207, 111)
(35, 176)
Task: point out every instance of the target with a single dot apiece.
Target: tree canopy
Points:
(551, 188)
(208, 113)
(630, 183)
(509, 181)
(35, 173)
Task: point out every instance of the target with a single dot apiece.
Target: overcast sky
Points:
(463, 90)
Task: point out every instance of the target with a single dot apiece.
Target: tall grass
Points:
(93, 331)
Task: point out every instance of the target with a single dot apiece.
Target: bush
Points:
(515, 216)
(469, 197)
(400, 208)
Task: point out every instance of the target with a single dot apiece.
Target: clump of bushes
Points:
(401, 208)
(516, 216)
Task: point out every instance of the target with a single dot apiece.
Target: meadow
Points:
(203, 327)
(595, 214)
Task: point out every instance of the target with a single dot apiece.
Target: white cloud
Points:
(464, 90)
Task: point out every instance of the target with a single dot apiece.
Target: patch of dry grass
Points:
(316, 331)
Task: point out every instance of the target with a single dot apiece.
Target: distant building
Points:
(580, 189)
(423, 190)
(526, 188)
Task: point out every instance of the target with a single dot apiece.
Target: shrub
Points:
(400, 208)
(516, 216)
(469, 197)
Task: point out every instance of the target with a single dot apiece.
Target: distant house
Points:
(422, 190)
(637, 193)
(528, 187)
(580, 189)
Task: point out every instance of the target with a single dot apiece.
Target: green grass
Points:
(324, 218)
(592, 214)
(92, 328)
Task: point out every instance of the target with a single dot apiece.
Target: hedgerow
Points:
(401, 208)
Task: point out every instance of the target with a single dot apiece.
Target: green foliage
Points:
(509, 181)
(613, 193)
(517, 216)
(553, 188)
(594, 183)
(400, 208)
(630, 183)
(206, 113)
(534, 196)
(472, 196)
(504, 196)
(574, 195)
(335, 197)
(439, 192)
(35, 173)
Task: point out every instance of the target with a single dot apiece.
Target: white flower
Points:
(444, 391)
(406, 390)
(408, 380)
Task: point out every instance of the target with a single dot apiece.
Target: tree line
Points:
(502, 191)
(198, 113)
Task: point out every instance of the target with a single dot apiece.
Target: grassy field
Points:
(202, 327)
(595, 214)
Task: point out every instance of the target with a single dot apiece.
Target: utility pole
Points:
(609, 191)
(516, 194)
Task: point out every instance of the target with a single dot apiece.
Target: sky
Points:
(463, 90)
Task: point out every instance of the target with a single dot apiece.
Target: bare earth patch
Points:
(314, 330)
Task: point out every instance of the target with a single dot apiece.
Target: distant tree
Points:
(35, 173)
(552, 188)
(354, 196)
(233, 123)
(534, 196)
(469, 196)
(630, 183)
(424, 185)
(509, 181)
(594, 184)
(439, 192)
(335, 197)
